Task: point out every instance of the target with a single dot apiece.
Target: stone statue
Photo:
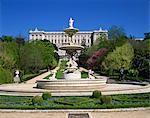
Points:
(17, 78)
(71, 23)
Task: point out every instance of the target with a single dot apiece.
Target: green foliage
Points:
(63, 64)
(96, 94)
(5, 76)
(37, 55)
(8, 61)
(86, 53)
(116, 32)
(141, 60)
(120, 57)
(133, 73)
(37, 100)
(100, 43)
(20, 40)
(74, 102)
(8, 55)
(6, 39)
(106, 99)
(46, 95)
(28, 76)
(84, 74)
(31, 58)
(59, 74)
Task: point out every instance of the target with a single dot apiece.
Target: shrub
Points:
(96, 94)
(37, 100)
(106, 99)
(46, 95)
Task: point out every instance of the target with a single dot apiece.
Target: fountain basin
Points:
(71, 31)
(75, 85)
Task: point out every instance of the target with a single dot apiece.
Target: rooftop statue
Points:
(71, 23)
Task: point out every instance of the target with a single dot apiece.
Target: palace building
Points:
(61, 38)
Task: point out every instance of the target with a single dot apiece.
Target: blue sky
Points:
(19, 16)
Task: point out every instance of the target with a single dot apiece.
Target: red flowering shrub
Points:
(98, 54)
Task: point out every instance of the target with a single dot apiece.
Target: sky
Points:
(17, 17)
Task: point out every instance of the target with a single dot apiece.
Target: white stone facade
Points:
(60, 38)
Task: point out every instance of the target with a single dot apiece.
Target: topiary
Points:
(37, 100)
(106, 99)
(46, 95)
(96, 94)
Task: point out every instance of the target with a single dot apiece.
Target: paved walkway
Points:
(30, 89)
(64, 114)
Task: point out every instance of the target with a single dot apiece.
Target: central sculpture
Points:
(72, 71)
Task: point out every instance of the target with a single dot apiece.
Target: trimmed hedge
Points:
(106, 99)
(96, 94)
(37, 100)
(46, 95)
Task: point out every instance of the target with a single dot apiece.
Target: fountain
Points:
(72, 81)
(72, 71)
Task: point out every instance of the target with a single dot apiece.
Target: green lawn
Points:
(118, 101)
(59, 74)
(84, 75)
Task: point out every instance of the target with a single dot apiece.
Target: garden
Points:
(96, 101)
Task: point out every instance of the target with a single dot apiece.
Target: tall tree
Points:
(116, 32)
(141, 60)
(6, 38)
(120, 57)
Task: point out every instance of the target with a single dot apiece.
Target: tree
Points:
(6, 38)
(141, 60)
(38, 55)
(120, 57)
(116, 32)
(31, 58)
(50, 57)
(8, 55)
(8, 61)
(93, 60)
(147, 36)
(20, 40)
